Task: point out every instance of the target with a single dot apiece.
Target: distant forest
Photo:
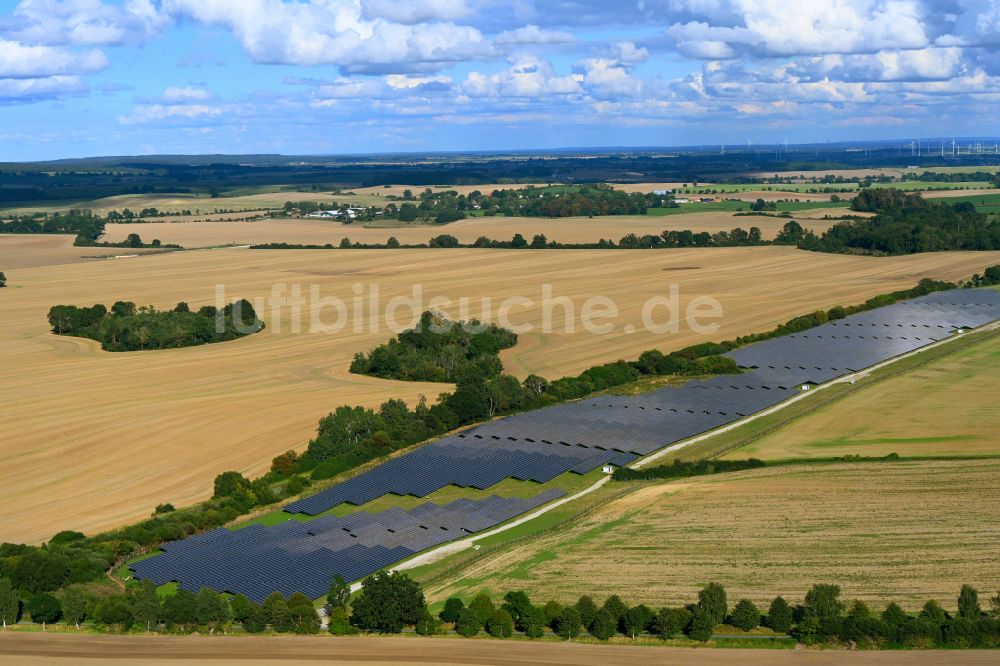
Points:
(93, 178)
(127, 328)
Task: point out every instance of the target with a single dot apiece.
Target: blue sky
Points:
(103, 77)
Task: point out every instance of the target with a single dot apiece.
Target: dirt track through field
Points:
(57, 650)
(122, 433)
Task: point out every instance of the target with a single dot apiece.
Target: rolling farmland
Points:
(869, 527)
(132, 430)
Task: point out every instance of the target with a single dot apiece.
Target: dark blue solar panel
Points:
(304, 557)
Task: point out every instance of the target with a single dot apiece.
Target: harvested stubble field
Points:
(947, 407)
(564, 230)
(124, 432)
(31, 250)
(69, 650)
(905, 531)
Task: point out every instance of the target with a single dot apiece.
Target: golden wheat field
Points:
(30, 250)
(564, 230)
(947, 407)
(125, 431)
(903, 532)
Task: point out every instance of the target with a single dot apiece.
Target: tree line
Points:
(790, 234)
(391, 602)
(822, 618)
(127, 328)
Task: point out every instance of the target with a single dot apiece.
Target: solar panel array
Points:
(851, 344)
(303, 557)
(581, 436)
(542, 444)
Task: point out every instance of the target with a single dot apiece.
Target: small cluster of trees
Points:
(437, 349)
(761, 205)
(905, 224)
(567, 202)
(126, 327)
(3, 279)
(821, 618)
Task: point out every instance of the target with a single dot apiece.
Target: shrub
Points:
(670, 621)
(44, 608)
(568, 623)
(501, 624)
(468, 624)
(745, 615)
(482, 607)
(387, 603)
(702, 625)
(453, 607)
(779, 616)
(428, 625)
(968, 603)
(712, 599)
(604, 625)
(339, 624)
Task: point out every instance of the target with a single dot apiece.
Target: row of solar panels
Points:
(304, 556)
(584, 435)
(870, 337)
